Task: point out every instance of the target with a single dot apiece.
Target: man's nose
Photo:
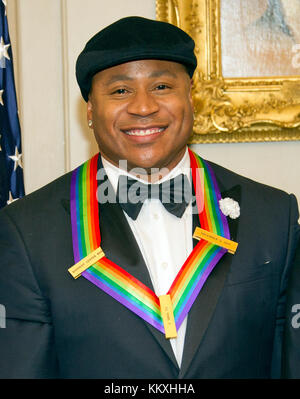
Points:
(143, 103)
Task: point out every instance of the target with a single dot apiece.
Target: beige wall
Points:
(47, 36)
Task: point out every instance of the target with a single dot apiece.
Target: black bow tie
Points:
(175, 194)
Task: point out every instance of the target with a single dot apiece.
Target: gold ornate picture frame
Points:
(238, 109)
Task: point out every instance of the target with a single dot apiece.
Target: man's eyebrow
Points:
(155, 74)
(117, 78)
(158, 74)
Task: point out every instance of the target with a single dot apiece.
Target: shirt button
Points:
(156, 217)
(164, 265)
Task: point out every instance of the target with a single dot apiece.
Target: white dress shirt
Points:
(165, 240)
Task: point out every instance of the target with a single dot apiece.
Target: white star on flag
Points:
(17, 159)
(3, 49)
(1, 99)
(4, 2)
(11, 199)
(0, 143)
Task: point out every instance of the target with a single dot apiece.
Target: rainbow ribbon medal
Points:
(92, 264)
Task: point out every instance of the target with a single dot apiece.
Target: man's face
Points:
(142, 112)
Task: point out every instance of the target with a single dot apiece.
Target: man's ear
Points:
(191, 93)
(89, 110)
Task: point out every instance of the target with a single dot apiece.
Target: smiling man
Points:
(179, 272)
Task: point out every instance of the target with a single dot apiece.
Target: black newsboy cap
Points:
(131, 39)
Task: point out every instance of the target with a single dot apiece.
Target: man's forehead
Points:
(132, 70)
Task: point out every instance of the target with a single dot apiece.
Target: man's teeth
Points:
(143, 132)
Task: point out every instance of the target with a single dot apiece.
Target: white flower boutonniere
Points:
(230, 207)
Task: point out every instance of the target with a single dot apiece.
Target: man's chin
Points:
(142, 168)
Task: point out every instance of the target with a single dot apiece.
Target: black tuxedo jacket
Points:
(60, 327)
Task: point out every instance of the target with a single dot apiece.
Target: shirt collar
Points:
(113, 172)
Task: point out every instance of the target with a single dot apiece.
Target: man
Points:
(146, 308)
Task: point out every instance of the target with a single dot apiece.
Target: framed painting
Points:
(246, 87)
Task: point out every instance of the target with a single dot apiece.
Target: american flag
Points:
(11, 169)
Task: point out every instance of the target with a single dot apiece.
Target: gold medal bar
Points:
(86, 262)
(215, 239)
(167, 315)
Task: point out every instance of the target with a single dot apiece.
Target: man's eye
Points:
(161, 87)
(120, 91)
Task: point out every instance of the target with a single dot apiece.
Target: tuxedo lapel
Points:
(204, 306)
